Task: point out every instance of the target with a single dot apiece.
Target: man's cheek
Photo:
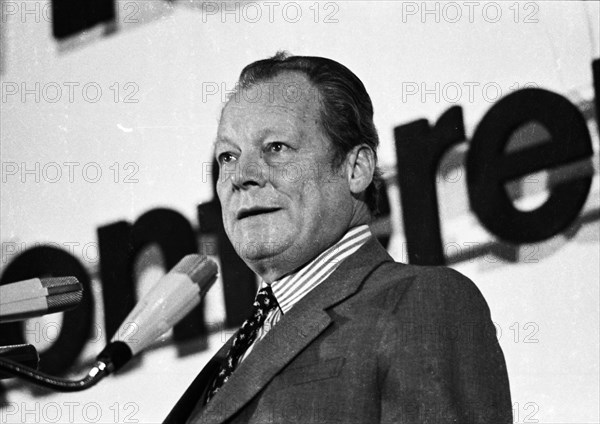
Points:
(291, 173)
(332, 176)
(230, 227)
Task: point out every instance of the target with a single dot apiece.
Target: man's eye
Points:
(276, 147)
(226, 158)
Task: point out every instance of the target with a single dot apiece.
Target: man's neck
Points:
(285, 263)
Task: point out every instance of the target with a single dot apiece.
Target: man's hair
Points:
(346, 110)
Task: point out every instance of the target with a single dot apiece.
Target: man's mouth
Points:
(248, 212)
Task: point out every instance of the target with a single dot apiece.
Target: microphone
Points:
(167, 302)
(171, 298)
(38, 296)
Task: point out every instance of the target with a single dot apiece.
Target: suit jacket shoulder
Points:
(425, 293)
(437, 349)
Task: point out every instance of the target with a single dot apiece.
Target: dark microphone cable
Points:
(98, 371)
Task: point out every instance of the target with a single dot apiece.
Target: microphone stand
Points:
(24, 354)
(112, 357)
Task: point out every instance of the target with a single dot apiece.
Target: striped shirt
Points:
(293, 287)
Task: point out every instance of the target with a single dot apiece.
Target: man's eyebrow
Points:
(223, 140)
(280, 132)
(262, 134)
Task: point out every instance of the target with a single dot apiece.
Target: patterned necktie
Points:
(264, 303)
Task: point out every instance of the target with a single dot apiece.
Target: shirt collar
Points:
(293, 287)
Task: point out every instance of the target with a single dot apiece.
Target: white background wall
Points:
(173, 54)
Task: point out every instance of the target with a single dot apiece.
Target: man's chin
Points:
(259, 251)
(266, 256)
(257, 244)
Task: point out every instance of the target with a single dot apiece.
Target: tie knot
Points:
(265, 299)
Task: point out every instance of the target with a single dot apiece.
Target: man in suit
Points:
(340, 332)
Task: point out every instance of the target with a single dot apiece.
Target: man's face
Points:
(283, 202)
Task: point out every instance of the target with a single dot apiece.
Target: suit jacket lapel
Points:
(190, 403)
(296, 329)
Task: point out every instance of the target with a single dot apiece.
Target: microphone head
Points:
(199, 268)
(64, 293)
(167, 302)
(38, 296)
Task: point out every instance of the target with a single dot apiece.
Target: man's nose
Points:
(251, 171)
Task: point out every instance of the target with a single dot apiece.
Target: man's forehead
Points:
(273, 105)
(287, 93)
(259, 119)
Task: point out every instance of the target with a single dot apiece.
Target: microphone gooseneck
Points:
(98, 371)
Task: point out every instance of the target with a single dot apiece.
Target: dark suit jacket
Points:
(377, 342)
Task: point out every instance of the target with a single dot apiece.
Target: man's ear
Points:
(360, 168)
